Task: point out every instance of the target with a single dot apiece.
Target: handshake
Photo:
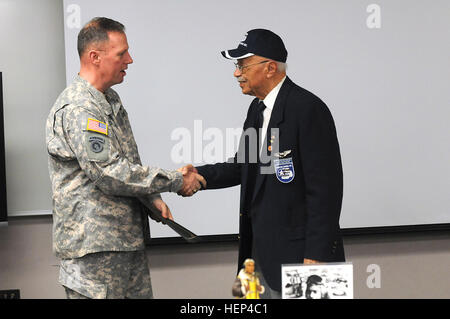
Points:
(192, 181)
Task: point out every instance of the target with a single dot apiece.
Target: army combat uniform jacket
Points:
(98, 181)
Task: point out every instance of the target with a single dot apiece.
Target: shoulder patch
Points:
(97, 126)
(97, 147)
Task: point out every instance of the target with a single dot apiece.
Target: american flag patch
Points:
(97, 126)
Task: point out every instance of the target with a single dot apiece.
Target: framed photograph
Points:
(318, 281)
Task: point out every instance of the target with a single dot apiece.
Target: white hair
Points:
(281, 67)
(248, 261)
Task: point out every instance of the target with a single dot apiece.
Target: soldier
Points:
(101, 190)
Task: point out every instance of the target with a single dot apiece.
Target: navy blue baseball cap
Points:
(260, 42)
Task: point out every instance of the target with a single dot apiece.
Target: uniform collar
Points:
(114, 100)
(109, 102)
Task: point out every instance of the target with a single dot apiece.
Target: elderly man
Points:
(101, 190)
(291, 194)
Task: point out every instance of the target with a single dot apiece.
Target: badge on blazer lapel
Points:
(284, 169)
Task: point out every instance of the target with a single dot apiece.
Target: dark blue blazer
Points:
(295, 220)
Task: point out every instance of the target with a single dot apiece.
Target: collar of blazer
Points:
(277, 115)
(278, 110)
(280, 104)
(275, 119)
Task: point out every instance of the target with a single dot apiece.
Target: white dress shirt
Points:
(269, 102)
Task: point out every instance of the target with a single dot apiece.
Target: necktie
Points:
(259, 123)
(260, 120)
(253, 167)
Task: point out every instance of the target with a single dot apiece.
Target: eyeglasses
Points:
(242, 67)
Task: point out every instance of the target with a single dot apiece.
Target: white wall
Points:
(386, 87)
(32, 59)
(32, 62)
(399, 176)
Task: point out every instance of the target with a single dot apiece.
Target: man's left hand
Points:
(163, 208)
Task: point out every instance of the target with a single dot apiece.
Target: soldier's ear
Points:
(94, 57)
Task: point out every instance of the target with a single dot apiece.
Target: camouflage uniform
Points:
(108, 275)
(98, 181)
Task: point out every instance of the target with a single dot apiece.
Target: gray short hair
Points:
(96, 31)
(282, 67)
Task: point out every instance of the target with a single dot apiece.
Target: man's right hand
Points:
(187, 169)
(192, 181)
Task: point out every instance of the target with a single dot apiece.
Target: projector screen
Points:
(382, 68)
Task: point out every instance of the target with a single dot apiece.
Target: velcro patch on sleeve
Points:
(97, 126)
(97, 147)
